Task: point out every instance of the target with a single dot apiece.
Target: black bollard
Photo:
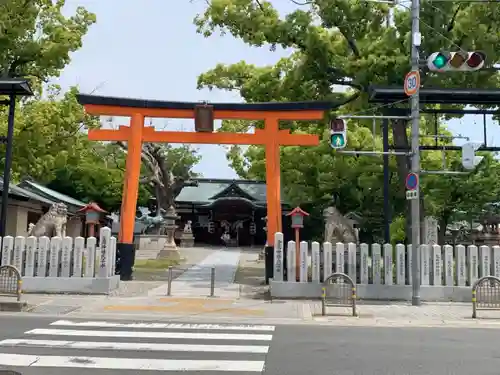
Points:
(126, 254)
(269, 262)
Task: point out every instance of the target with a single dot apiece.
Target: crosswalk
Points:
(111, 345)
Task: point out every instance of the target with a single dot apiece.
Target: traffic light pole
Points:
(415, 158)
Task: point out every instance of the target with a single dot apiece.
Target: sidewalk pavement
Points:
(403, 314)
(241, 297)
(261, 311)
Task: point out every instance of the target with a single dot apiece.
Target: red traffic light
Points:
(337, 125)
(476, 59)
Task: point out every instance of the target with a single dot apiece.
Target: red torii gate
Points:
(271, 137)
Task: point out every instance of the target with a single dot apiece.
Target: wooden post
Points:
(297, 253)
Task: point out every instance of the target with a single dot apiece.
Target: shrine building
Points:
(218, 206)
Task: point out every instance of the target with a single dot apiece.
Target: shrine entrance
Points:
(236, 217)
(271, 137)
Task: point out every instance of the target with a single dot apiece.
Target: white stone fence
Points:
(382, 272)
(63, 265)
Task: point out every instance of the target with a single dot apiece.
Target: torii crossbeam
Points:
(271, 137)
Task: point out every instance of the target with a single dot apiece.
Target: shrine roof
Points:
(210, 189)
(160, 104)
(52, 195)
(24, 194)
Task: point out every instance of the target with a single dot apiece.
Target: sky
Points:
(152, 51)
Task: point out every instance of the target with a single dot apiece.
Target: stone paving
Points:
(196, 280)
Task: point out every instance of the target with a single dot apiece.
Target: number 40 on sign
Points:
(412, 82)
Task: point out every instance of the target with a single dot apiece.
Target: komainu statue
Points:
(53, 223)
(152, 224)
(338, 228)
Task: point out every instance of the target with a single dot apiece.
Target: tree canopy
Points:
(352, 42)
(36, 39)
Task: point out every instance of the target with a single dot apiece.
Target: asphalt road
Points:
(300, 350)
(48, 346)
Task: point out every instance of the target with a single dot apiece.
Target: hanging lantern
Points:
(253, 228)
(211, 227)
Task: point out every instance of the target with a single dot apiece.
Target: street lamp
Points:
(12, 87)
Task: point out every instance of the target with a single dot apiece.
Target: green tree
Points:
(51, 147)
(342, 42)
(470, 193)
(96, 176)
(166, 171)
(36, 39)
(49, 134)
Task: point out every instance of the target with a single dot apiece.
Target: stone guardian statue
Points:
(338, 228)
(53, 223)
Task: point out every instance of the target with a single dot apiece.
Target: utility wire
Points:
(373, 109)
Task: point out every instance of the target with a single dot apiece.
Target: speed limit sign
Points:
(412, 82)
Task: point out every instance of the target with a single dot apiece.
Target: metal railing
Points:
(10, 282)
(339, 290)
(170, 279)
(485, 294)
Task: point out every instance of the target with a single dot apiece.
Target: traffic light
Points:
(456, 61)
(338, 133)
(469, 159)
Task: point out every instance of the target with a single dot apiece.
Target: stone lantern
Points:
(170, 227)
(93, 215)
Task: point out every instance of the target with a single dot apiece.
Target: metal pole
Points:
(415, 159)
(373, 153)
(169, 281)
(375, 117)
(387, 207)
(8, 164)
(212, 282)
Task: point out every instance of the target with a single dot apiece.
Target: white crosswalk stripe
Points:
(140, 346)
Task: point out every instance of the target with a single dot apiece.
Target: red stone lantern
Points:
(297, 215)
(93, 214)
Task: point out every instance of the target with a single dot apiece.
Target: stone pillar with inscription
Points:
(431, 231)
(104, 242)
(430, 239)
(278, 257)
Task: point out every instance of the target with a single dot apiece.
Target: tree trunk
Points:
(400, 139)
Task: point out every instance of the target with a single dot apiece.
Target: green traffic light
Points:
(337, 140)
(440, 61)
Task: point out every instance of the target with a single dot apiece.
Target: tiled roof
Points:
(51, 194)
(208, 188)
(20, 192)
